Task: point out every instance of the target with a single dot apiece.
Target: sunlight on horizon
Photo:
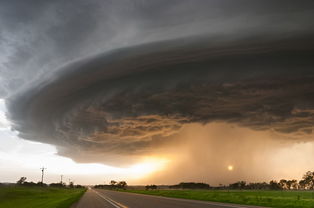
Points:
(147, 166)
(31, 155)
(46, 155)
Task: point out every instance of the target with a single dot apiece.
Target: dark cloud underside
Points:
(116, 102)
(118, 78)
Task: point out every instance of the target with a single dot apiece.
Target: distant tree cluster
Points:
(57, 185)
(113, 185)
(22, 182)
(152, 187)
(190, 185)
(307, 183)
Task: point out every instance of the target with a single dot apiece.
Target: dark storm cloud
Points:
(157, 66)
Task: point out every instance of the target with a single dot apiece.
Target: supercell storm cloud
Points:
(119, 78)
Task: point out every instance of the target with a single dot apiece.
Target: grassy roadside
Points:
(279, 199)
(33, 197)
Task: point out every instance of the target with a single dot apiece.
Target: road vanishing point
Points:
(99, 198)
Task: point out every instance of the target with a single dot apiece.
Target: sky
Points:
(156, 92)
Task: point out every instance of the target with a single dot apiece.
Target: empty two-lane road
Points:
(97, 198)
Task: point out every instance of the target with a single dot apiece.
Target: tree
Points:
(39, 183)
(292, 184)
(57, 185)
(238, 185)
(242, 184)
(21, 180)
(308, 180)
(190, 185)
(113, 183)
(283, 184)
(273, 185)
(71, 184)
(29, 183)
(302, 184)
(122, 184)
(152, 187)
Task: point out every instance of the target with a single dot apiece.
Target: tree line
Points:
(306, 183)
(22, 182)
(113, 185)
(190, 185)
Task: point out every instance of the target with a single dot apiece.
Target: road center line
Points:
(111, 201)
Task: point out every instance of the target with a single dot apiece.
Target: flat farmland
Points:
(33, 197)
(280, 199)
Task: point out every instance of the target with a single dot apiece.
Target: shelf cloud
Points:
(121, 79)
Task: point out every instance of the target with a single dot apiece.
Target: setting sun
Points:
(230, 167)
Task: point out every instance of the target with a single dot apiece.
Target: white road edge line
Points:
(111, 201)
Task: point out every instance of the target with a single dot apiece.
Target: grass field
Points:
(281, 199)
(33, 197)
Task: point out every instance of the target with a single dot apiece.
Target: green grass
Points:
(33, 197)
(280, 199)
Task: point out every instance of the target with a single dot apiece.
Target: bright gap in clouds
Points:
(20, 157)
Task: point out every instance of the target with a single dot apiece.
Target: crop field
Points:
(33, 197)
(280, 199)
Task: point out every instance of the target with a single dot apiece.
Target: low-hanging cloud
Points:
(124, 85)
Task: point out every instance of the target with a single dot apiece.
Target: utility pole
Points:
(42, 175)
(61, 179)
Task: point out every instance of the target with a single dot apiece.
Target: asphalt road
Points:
(97, 198)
